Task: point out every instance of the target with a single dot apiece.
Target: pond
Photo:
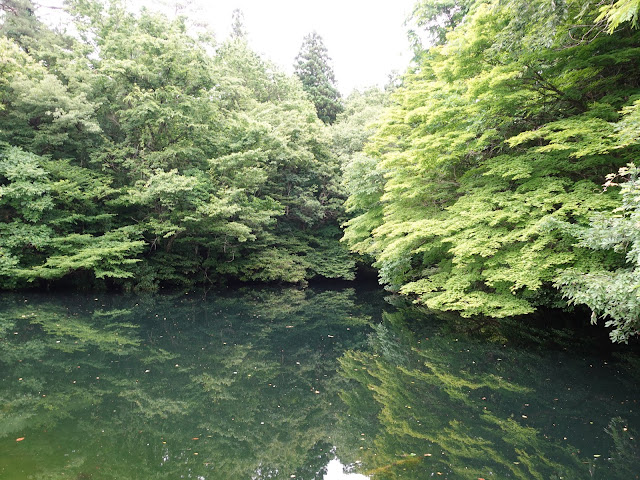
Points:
(306, 384)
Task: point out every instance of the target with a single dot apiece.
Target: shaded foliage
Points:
(611, 294)
(184, 161)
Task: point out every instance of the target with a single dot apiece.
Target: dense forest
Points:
(136, 154)
(493, 178)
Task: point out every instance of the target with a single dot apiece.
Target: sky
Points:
(366, 39)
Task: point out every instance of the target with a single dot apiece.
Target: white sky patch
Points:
(366, 39)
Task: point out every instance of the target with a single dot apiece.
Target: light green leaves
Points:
(506, 126)
(618, 13)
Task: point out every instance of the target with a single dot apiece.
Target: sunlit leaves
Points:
(506, 125)
(619, 12)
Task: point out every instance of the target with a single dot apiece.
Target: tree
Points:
(360, 178)
(54, 223)
(238, 29)
(19, 22)
(506, 125)
(437, 17)
(611, 294)
(619, 12)
(313, 69)
(43, 112)
(217, 161)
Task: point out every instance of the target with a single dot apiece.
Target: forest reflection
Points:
(443, 403)
(266, 383)
(240, 385)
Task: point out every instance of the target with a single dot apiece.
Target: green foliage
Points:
(619, 12)
(40, 112)
(437, 17)
(360, 178)
(508, 124)
(612, 295)
(161, 154)
(52, 224)
(20, 24)
(314, 71)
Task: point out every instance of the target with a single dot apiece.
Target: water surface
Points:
(266, 383)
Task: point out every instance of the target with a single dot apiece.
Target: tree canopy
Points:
(144, 156)
(500, 131)
(138, 153)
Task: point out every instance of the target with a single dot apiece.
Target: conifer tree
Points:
(238, 29)
(20, 24)
(313, 68)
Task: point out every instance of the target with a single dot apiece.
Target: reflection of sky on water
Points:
(335, 471)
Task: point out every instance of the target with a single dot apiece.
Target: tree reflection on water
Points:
(265, 383)
(442, 404)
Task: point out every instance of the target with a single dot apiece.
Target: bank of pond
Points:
(284, 383)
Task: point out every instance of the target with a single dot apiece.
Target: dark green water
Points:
(258, 384)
